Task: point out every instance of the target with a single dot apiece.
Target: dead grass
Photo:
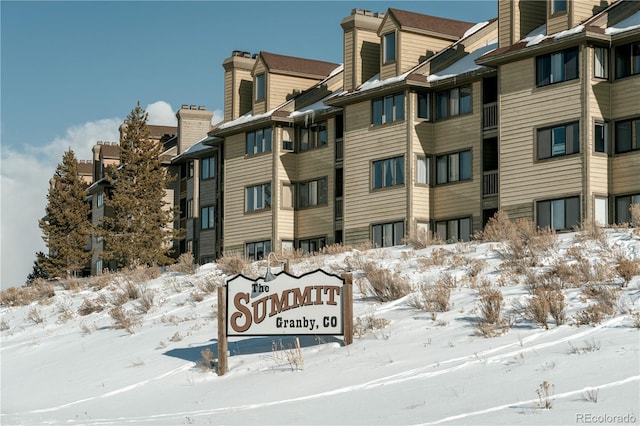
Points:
(387, 285)
(491, 322)
(124, 320)
(184, 265)
(41, 291)
(422, 239)
(434, 298)
(88, 307)
(627, 268)
(368, 323)
(231, 263)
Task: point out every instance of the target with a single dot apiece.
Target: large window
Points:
(423, 105)
(207, 217)
(312, 193)
(258, 141)
(559, 140)
(312, 245)
(454, 229)
(314, 136)
(258, 197)
(387, 172)
(600, 139)
(388, 109)
(601, 62)
(627, 135)
(258, 250)
(452, 102)
(560, 214)
(389, 47)
(208, 166)
(623, 206)
(557, 67)
(627, 60)
(453, 167)
(260, 87)
(387, 234)
(422, 170)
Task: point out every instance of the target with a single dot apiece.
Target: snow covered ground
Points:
(60, 367)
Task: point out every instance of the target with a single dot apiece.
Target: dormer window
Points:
(389, 47)
(558, 6)
(260, 87)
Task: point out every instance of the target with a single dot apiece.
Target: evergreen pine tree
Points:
(38, 269)
(139, 229)
(66, 226)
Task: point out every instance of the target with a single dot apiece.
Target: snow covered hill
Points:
(65, 359)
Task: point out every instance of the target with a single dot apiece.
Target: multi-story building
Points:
(434, 124)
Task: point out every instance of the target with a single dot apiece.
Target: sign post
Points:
(316, 303)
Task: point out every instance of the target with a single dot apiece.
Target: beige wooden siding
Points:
(207, 243)
(390, 69)
(279, 86)
(624, 98)
(626, 173)
(530, 14)
(524, 108)
(241, 227)
(559, 22)
(228, 96)
(364, 144)
(369, 56)
(504, 23)
(208, 194)
(599, 174)
(625, 105)
(422, 144)
(584, 9)
(348, 58)
(415, 47)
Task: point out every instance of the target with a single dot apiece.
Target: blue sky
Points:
(71, 71)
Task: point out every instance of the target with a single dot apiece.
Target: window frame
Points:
(448, 223)
(634, 135)
(251, 141)
(452, 103)
(261, 87)
(631, 60)
(208, 172)
(601, 62)
(392, 165)
(317, 136)
(633, 199)
(386, 59)
(555, 9)
(552, 215)
(423, 102)
(448, 159)
(423, 174)
(555, 132)
(319, 242)
(545, 65)
(386, 227)
(258, 193)
(316, 193)
(207, 217)
(604, 133)
(251, 252)
(392, 105)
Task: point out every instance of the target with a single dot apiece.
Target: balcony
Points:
(490, 116)
(339, 149)
(339, 207)
(490, 183)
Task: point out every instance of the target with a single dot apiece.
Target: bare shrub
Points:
(434, 298)
(88, 307)
(34, 316)
(231, 263)
(368, 323)
(176, 337)
(387, 285)
(99, 282)
(196, 296)
(437, 257)
(525, 245)
(184, 265)
(65, 313)
(44, 289)
(545, 394)
(207, 361)
(635, 317)
(141, 273)
(123, 319)
(590, 230)
(4, 325)
(14, 296)
(634, 210)
(291, 354)
(555, 299)
(538, 309)
(336, 249)
(423, 238)
(491, 323)
(131, 289)
(627, 268)
(499, 228)
(145, 302)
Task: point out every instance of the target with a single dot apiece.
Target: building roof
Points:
(275, 62)
(110, 150)
(160, 131)
(430, 23)
(85, 167)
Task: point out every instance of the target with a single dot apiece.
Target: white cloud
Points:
(161, 114)
(24, 179)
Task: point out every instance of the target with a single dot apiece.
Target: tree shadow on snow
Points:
(253, 345)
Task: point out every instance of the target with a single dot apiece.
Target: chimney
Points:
(361, 47)
(517, 18)
(193, 124)
(238, 84)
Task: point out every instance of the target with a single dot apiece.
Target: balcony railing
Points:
(339, 149)
(490, 116)
(339, 207)
(490, 183)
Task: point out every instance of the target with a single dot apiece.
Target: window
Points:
(627, 135)
(623, 206)
(453, 167)
(558, 141)
(258, 250)
(558, 6)
(388, 172)
(207, 218)
(388, 109)
(422, 170)
(560, 214)
(389, 47)
(100, 200)
(627, 60)
(312, 193)
(600, 211)
(190, 207)
(208, 168)
(258, 141)
(557, 67)
(454, 229)
(423, 105)
(314, 136)
(312, 245)
(387, 234)
(260, 87)
(456, 101)
(600, 137)
(601, 62)
(258, 197)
